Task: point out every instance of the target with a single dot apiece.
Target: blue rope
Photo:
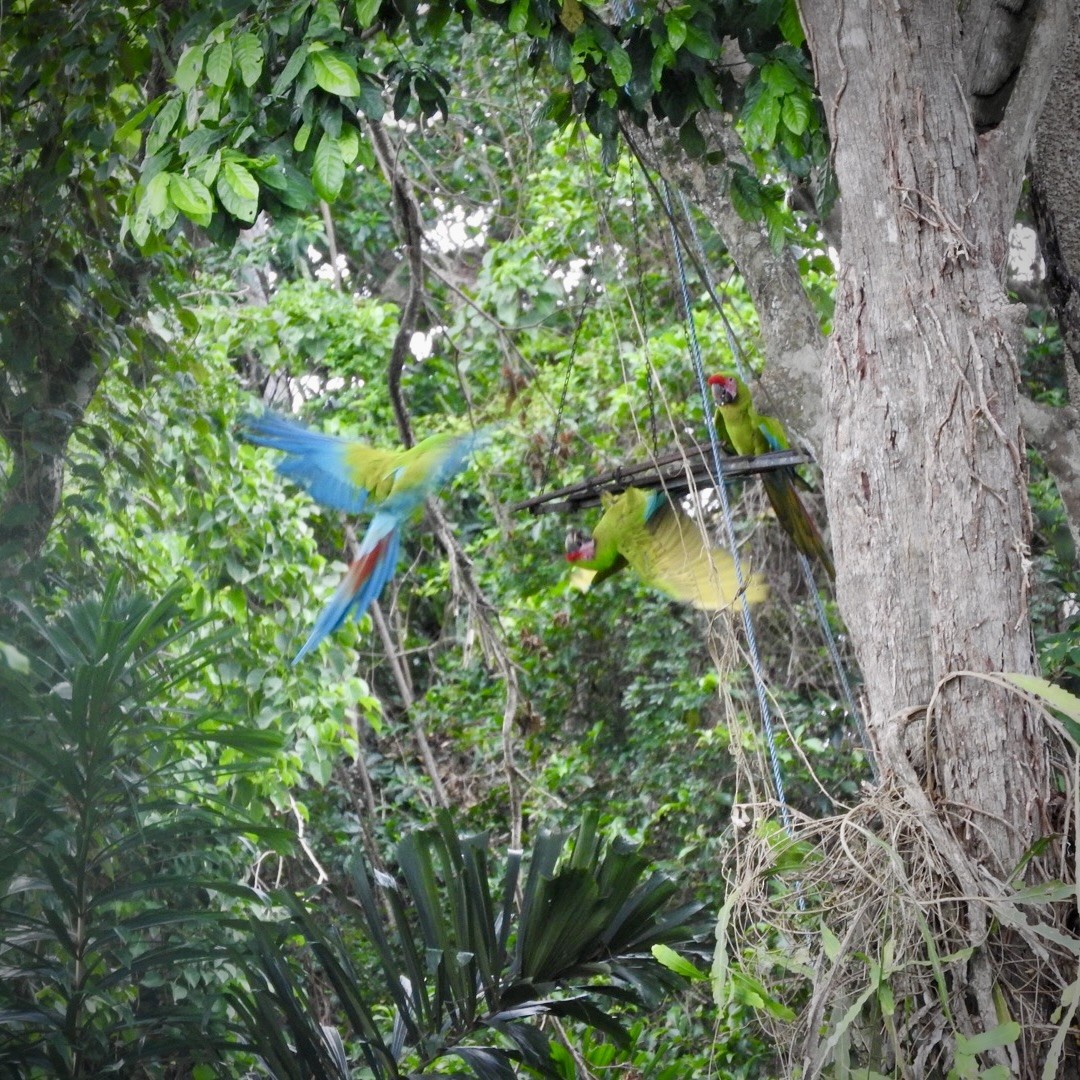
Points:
(729, 528)
(804, 563)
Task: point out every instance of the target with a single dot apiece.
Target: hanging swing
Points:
(684, 470)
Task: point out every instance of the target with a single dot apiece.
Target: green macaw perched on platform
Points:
(645, 531)
(749, 433)
(344, 474)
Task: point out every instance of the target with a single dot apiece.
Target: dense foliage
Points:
(178, 800)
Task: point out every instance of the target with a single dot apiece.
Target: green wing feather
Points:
(372, 469)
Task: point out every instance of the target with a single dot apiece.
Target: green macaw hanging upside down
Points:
(345, 474)
(645, 531)
(749, 433)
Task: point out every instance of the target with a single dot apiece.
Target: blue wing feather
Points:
(654, 502)
(318, 462)
(314, 460)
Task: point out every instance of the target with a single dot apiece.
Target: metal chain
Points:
(804, 563)
(640, 281)
(565, 389)
(729, 529)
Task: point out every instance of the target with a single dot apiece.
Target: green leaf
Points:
(1002, 1035)
(328, 172)
(300, 141)
(621, 67)
(745, 195)
(191, 198)
(700, 43)
(761, 118)
(691, 139)
(679, 964)
(775, 222)
(371, 102)
(189, 67)
(830, 943)
(1054, 696)
(519, 16)
(366, 10)
(133, 123)
(334, 74)
(156, 195)
(795, 112)
(349, 144)
(219, 63)
(778, 77)
(238, 191)
(1049, 892)
(290, 71)
(790, 25)
(163, 125)
(676, 29)
(248, 54)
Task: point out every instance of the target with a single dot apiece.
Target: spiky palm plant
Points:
(108, 842)
(470, 971)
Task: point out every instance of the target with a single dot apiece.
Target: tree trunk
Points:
(37, 417)
(922, 452)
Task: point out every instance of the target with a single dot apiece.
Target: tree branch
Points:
(37, 424)
(1055, 434)
(794, 344)
(1004, 151)
(408, 216)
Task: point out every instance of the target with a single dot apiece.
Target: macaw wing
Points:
(584, 580)
(338, 473)
(773, 432)
(794, 518)
(671, 554)
(424, 469)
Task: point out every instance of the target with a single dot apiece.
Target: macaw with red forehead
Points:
(345, 474)
(750, 434)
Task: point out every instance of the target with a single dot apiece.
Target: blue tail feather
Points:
(354, 597)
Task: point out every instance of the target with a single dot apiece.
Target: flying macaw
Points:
(647, 532)
(750, 433)
(344, 474)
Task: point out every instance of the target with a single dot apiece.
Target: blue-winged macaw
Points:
(344, 474)
(647, 532)
(750, 433)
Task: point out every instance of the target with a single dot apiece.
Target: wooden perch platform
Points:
(677, 473)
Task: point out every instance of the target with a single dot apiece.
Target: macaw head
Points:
(579, 546)
(725, 389)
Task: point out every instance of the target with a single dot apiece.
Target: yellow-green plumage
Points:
(667, 551)
(750, 433)
(344, 474)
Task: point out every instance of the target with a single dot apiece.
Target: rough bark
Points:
(1055, 200)
(1055, 189)
(923, 456)
(923, 460)
(40, 407)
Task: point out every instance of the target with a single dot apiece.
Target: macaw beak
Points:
(724, 389)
